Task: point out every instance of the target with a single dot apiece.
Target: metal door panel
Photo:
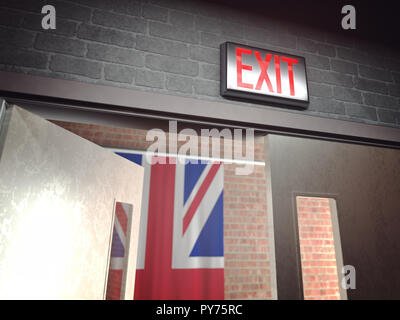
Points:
(57, 194)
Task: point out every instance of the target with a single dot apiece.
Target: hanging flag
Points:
(119, 252)
(181, 254)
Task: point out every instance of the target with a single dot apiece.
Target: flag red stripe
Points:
(180, 284)
(121, 216)
(114, 285)
(158, 280)
(158, 256)
(199, 196)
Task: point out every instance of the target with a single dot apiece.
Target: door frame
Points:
(65, 99)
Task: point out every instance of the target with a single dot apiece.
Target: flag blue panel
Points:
(211, 239)
(117, 248)
(192, 174)
(136, 158)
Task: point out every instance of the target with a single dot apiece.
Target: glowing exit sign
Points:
(260, 74)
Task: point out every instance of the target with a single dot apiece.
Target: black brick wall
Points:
(172, 47)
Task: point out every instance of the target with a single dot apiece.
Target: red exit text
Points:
(263, 76)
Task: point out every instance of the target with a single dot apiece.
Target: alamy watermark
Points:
(349, 277)
(349, 20)
(198, 148)
(49, 19)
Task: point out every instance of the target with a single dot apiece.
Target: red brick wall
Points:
(246, 245)
(318, 260)
(247, 265)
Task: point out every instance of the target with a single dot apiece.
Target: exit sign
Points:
(261, 74)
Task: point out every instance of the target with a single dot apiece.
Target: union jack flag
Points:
(181, 254)
(119, 252)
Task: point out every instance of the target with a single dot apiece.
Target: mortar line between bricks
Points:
(75, 57)
(165, 38)
(118, 13)
(173, 41)
(106, 44)
(108, 28)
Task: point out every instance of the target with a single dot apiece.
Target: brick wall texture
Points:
(246, 239)
(317, 249)
(172, 47)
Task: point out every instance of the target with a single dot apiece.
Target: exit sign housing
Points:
(263, 75)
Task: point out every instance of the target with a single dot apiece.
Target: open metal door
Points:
(365, 183)
(58, 194)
